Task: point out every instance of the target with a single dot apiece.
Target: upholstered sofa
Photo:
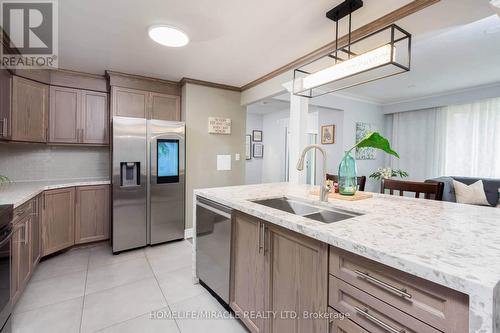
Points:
(491, 187)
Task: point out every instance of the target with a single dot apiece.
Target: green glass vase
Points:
(348, 182)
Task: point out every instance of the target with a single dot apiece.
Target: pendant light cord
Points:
(336, 40)
(349, 46)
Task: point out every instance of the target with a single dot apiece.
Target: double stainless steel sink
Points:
(297, 207)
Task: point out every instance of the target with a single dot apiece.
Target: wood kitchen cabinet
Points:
(24, 246)
(277, 270)
(165, 107)
(21, 262)
(297, 269)
(46, 224)
(58, 220)
(365, 290)
(30, 105)
(63, 116)
(92, 217)
(247, 283)
(94, 118)
(78, 116)
(129, 102)
(143, 104)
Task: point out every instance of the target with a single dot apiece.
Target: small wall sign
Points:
(217, 125)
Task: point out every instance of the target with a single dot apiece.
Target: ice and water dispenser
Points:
(130, 174)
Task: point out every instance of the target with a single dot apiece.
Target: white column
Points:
(299, 107)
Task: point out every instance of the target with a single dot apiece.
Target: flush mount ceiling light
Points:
(384, 53)
(168, 36)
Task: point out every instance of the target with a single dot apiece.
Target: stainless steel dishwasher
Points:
(213, 246)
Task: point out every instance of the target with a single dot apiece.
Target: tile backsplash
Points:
(25, 162)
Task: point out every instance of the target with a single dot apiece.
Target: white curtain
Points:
(416, 137)
(462, 140)
(473, 139)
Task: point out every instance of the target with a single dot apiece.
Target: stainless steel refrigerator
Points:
(148, 176)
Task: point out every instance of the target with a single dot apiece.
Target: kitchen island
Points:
(451, 245)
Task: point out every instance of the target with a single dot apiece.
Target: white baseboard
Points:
(188, 233)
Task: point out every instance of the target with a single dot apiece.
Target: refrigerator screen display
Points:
(167, 160)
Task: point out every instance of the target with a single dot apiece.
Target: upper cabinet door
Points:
(30, 104)
(165, 107)
(64, 113)
(95, 118)
(129, 102)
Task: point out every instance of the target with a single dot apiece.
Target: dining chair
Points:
(431, 190)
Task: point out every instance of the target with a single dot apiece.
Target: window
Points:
(458, 140)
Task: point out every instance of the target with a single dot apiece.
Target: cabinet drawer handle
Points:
(264, 238)
(4, 127)
(261, 246)
(368, 277)
(26, 234)
(377, 321)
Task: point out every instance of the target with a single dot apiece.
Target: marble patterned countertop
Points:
(17, 193)
(454, 245)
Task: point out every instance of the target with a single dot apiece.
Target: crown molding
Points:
(209, 84)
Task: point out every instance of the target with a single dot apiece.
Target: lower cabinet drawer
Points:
(370, 313)
(25, 209)
(344, 325)
(443, 308)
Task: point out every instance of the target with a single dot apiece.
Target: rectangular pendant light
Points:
(381, 54)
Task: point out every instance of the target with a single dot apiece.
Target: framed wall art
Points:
(327, 134)
(258, 150)
(257, 136)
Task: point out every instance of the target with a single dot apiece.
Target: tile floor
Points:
(91, 290)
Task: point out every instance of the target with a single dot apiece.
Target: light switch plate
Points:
(237, 157)
(223, 162)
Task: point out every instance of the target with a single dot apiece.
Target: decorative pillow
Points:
(470, 194)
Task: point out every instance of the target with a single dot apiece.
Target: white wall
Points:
(253, 167)
(334, 151)
(199, 103)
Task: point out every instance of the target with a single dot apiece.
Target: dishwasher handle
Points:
(215, 208)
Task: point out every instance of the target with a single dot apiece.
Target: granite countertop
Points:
(17, 193)
(454, 245)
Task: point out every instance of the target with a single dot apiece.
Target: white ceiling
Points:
(449, 53)
(232, 41)
(235, 42)
(268, 106)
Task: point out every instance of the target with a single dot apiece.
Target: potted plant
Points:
(348, 182)
(4, 180)
(386, 173)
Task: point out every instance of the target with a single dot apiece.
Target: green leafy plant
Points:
(4, 180)
(375, 140)
(384, 173)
